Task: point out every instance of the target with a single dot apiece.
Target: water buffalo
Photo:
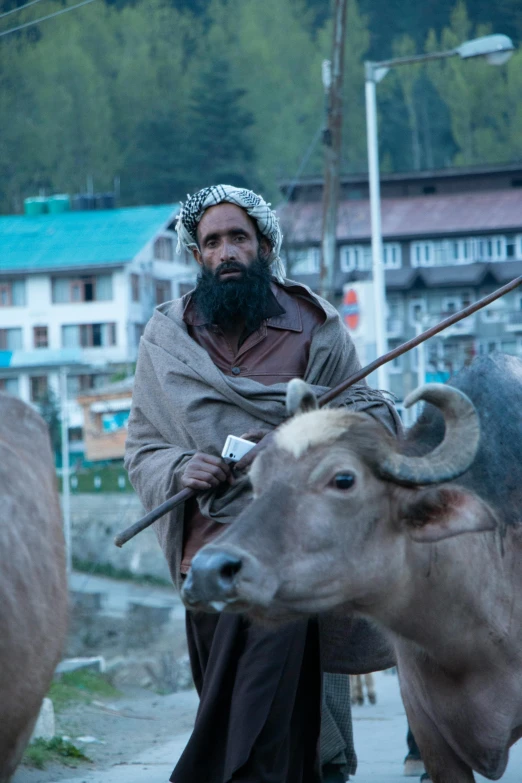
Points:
(346, 516)
(33, 588)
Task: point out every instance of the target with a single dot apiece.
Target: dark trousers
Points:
(413, 748)
(260, 698)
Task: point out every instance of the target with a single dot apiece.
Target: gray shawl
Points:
(182, 403)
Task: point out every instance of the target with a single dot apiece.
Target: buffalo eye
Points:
(343, 481)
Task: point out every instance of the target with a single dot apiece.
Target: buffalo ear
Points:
(436, 513)
(299, 397)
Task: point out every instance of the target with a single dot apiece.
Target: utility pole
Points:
(333, 72)
(66, 492)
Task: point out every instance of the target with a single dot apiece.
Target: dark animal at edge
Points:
(33, 588)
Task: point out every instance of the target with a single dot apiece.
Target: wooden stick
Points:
(186, 494)
(153, 515)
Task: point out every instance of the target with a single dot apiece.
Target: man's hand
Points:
(204, 471)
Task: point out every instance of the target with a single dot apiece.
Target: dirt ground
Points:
(150, 670)
(123, 727)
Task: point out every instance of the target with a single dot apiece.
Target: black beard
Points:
(223, 302)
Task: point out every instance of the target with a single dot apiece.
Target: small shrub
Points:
(78, 686)
(42, 752)
(107, 569)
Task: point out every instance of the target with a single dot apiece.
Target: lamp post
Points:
(497, 49)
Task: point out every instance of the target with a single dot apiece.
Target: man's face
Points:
(227, 238)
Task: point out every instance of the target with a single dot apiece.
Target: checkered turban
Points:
(192, 212)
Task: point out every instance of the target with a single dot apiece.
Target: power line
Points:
(20, 8)
(304, 161)
(43, 18)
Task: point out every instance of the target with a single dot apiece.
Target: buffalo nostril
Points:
(229, 570)
(214, 574)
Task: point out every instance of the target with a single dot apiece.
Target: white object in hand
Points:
(236, 448)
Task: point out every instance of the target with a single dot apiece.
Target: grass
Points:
(106, 569)
(108, 480)
(80, 686)
(42, 752)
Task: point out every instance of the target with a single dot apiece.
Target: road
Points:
(379, 731)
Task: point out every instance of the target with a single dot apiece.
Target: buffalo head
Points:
(337, 506)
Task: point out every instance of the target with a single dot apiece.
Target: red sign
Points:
(351, 309)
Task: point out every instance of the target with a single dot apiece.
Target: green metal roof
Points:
(73, 239)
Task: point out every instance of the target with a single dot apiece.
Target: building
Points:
(76, 290)
(450, 237)
(105, 415)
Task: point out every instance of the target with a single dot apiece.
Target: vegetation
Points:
(169, 95)
(42, 752)
(80, 686)
(108, 478)
(106, 569)
(49, 408)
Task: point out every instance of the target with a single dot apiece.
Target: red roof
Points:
(422, 216)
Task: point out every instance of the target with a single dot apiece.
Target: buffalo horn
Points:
(454, 455)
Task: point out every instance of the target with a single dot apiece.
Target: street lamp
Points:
(497, 49)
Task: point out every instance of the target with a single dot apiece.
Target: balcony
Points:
(395, 327)
(513, 321)
(464, 327)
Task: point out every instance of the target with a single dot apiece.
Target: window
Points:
(185, 288)
(40, 337)
(85, 288)
(417, 310)
(490, 248)
(452, 304)
(392, 255)
(135, 287)
(80, 384)
(39, 385)
(75, 434)
(356, 257)
(422, 254)
(460, 251)
(12, 293)
(88, 335)
(138, 331)
(6, 296)
(393, 315)
(306, 261)
(163, 291)
(496, 311)
(164, 249)
(511, 247)
(395, 366)
(9, 386)
(10, 339)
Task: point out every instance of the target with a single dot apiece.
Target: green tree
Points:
(219, 127)
(49, 409)
(155, 167)
(408, 78)
(475, 93)
(275, 58)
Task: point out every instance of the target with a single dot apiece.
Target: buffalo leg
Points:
(441, 762)
(370, 687)
(356, 688)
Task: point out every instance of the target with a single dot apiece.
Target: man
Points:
(214, 363)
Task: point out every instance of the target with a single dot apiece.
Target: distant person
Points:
(213, 363)
(358, 682)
